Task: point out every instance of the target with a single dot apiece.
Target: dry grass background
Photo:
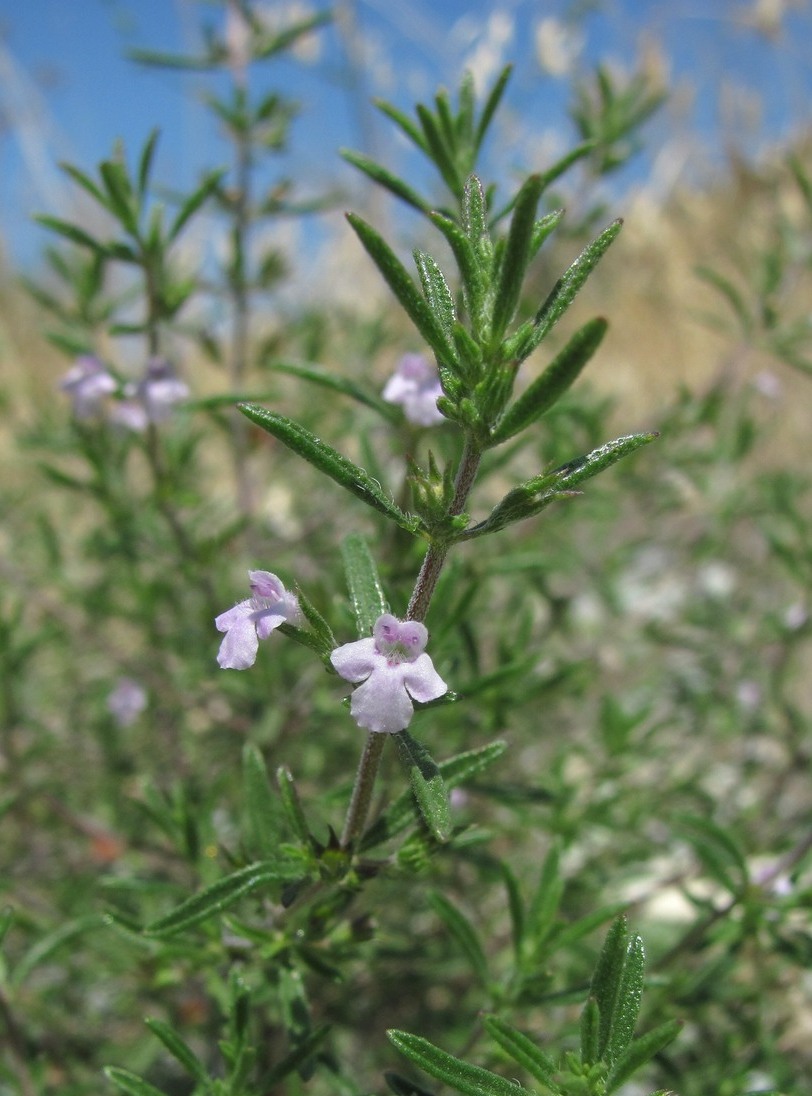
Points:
(647, 286)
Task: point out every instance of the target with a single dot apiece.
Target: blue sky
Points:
(67, 90)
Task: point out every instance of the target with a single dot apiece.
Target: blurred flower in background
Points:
(415, 385)
(152, 399)
(87, 384)
(127, 701)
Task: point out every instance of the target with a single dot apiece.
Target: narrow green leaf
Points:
(565, 163)
(130, 1083)
(608, 983)
(442, 156)
(535, 495)
(523, 1050)
(402, 1086)
(802, 180)
(366, 593)
(193, 203)
(475, 212)
(467, 1079)
(446, 118)
(455, 771)
(120, 194)
(179, 1049)
(564, 936)
(515, 908)
(540, 396)
(543, 228)
(575, 472)
(466, 99)
(436, 291)
(86, 183)
(328, 460)
(516, 256)
(730, 293)
(171, 60)
(403, 287)
(278, 41)
(304, 1049)
(117, 249)
(473, 281)
(71, 232)
(145, 162)
(291, 805)
(338, 382)
(491, 104)
(45, 947)
(323, 639)
(590, 1032)
(259, 803)
(641, 1051)
(547, 898)
(154, 245)
(222, 894)
(718, 850)
(427, 784)
(463, 932)
(562, 295)
(385, 179)
(6, 920)
(403, 121)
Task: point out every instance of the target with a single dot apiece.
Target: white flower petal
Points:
(422, 680)
(238, 650)
(233, 615)
(355, 661)
(382, 703)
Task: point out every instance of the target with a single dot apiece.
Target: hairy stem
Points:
(418, 607)
(362, 791)
(436, 554)
(238, 365)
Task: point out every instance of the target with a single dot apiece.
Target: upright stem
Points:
(435, 556)
(362, 791)
(161, 477)
(240, 303)
(418, 607)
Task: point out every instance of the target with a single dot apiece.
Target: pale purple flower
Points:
(129, 412)
(152, 399)
(127, 701)
(246, 624)
(161, 389)
(394, 670)
(87, 384)
(415, 385)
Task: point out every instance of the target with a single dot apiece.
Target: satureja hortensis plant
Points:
(283, 917)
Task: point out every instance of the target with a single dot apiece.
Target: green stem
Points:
(418, 607)
(435, 556)
(362, 791)
(241, 310)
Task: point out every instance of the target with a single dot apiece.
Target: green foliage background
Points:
(637, 653)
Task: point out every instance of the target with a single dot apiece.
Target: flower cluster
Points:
(415, 385)
(390, 667)
(152, 399)
(89, 383)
